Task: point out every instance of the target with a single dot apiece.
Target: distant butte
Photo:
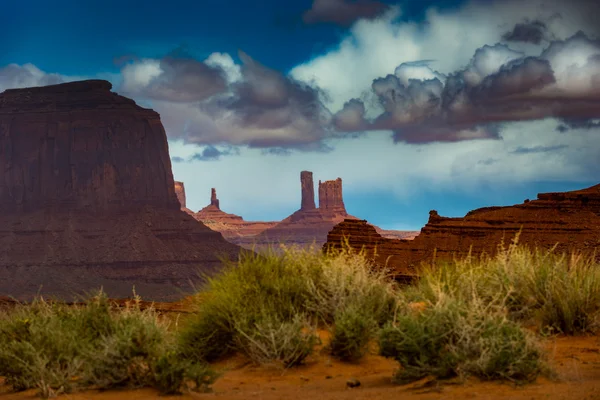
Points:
(570, 220)
(88, 198)
(304, 227)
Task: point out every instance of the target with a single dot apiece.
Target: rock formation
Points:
(88, 200)
(304, 227)
(570, 220)
(213, 198)
(308, 191)
(330, 197)
(180, 192)
(231, 226)
(307, 225)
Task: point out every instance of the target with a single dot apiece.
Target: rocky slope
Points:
(569, 220)
(88, 198)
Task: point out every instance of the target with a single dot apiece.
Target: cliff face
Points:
(78, 146)
(88, 198)
(569, 219)
(330, 197)
(307, 191)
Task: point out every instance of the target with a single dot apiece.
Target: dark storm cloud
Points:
(529, 31)
(343, 12)
(173, 79)
(563, 82)
(538, 149)
(211, 153)
(573, 123)
(221, 102)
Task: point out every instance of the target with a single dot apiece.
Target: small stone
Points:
(352, 383)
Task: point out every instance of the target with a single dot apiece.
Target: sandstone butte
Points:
(306, 226)
(569, 220)
(88, 199)
(231, 226)
(309, 224)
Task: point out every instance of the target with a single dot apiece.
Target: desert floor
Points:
(575, 359)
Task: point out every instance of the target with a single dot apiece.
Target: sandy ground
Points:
(575, 359)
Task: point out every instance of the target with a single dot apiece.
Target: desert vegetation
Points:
(483, 317)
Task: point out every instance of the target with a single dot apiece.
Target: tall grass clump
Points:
(58, 348)
(558, 293)
(269, 305)
(460, 337)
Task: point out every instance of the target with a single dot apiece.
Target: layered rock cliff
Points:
(330, 198)
(569, 220)
(88, 200)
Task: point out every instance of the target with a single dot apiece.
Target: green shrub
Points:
(58, 349)
(270, 341)
(558, 293)
(352, 331)
(263, 297)
(453, 337)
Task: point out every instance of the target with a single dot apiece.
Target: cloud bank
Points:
(343, 12)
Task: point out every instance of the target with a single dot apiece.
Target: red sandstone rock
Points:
(231, 226)
(570, 220)
(330, 197)
(308, 191)
(306, 226)
(180, 192)
(213, 198)
(88, 200)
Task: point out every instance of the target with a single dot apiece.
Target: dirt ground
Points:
(575, 359)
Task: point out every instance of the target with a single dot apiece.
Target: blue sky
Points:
(416, 105)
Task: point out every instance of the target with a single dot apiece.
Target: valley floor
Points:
(575, 359)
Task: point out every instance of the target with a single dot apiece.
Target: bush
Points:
(453, 337)
(560, 293)
(59, 348)
(274, 342)
(351, 334)
(261, 305)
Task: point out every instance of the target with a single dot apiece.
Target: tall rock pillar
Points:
(213, 198)
(330, 196)
(308, 191)
(180, 192)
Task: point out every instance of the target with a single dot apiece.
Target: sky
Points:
(417, 105)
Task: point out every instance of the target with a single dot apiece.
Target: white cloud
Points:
(375, 48)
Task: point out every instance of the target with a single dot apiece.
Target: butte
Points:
(568, 220)
(88, 199)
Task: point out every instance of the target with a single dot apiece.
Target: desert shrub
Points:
(557, 292)
(263, 297)
(351, 333)
(456, 338)
(58, 348)
(275, 342)
(207, 335)
(349, 280)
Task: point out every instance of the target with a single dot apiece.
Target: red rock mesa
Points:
(570, 220)
(306, 226)
(231, 226)
(88, 200)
